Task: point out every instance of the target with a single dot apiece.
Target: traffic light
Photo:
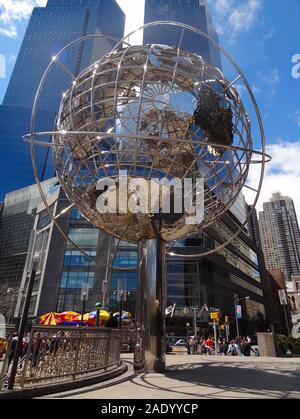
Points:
(227, 319)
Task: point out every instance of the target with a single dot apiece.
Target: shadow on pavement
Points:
(233, 378)
(208, 380)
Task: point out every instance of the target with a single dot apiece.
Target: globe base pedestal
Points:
(150, 348)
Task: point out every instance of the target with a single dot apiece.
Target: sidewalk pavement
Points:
(203, 377)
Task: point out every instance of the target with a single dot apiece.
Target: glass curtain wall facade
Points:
(190, 12)
(217, 281)
(126, 257)
(49, 30)
(16, 222)
(77, 267)
(64, 269)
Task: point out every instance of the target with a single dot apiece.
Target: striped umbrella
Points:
(50, 319)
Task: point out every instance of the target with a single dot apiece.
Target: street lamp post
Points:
(122, 294)
(188, 328)
(23, 322)
(84, 298)
(194, 309)
(236, 316)
(189, 310)
(121, 310)
(13, 295)
(121, 297)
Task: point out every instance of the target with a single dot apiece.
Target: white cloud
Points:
(223, 7)
(9, 32)
(267, 81)
(243, 17)
(232, 18)
(282, 174)
(13, 11)
(256, 90)
(271, 76)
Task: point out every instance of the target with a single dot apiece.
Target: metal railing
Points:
(61, 354)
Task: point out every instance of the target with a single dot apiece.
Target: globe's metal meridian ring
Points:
(185, 27)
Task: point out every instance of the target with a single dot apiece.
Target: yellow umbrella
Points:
(50, 319)
(104, 315)
(68, 316)
(79, 317)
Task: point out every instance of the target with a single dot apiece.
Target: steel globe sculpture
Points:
(154, 112)
(163, 116)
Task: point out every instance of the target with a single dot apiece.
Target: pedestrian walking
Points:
(246, 348)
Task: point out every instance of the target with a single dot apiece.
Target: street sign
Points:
(238, 310)
(215, 316)
(282, 297)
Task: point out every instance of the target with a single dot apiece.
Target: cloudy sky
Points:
(261, 35)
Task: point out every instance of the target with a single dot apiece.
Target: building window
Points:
(76, 259)
(84, 236)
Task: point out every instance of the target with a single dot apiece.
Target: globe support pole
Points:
(150, 348)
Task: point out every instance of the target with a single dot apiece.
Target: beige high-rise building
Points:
(280, 236)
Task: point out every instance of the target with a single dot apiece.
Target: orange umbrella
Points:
(50, 319)
(78, 318)
(68, 316)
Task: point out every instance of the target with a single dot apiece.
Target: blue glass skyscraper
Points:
(190, 12)
(49, 30)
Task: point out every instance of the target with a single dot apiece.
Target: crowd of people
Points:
(206, 346)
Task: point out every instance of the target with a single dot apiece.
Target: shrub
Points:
(288, 343)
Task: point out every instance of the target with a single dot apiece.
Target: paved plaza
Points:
(203, 377)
